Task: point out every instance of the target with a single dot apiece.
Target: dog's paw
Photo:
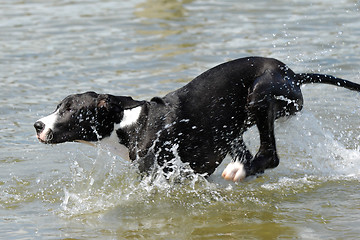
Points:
(234, 172)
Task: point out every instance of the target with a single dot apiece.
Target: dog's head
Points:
(85, 117)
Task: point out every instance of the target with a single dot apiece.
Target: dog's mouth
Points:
(48, 138)
(45, 137)
(85, 142)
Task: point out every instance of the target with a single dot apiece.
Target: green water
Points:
(49, 49)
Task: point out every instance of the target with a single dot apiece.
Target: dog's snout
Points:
(39, 126)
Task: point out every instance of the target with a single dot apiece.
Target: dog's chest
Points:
(112, 145)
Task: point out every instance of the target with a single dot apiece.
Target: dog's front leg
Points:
(241, 156)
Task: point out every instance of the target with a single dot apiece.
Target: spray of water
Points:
(309, 154)
(105, 181)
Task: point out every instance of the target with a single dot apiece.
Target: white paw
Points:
(234, 172)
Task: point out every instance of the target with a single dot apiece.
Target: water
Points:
(49, 49)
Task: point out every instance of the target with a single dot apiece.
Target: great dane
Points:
(201, 122)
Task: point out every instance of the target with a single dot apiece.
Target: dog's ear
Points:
(116, 103)
(129, 103)
(108, 103)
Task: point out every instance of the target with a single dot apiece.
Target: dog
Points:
(201, 122)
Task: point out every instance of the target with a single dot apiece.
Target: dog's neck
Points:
(131, 116)
(112, 143)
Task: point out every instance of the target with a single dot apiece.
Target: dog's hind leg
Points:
(263, 108)
(266, 157)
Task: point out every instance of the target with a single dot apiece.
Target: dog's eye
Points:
(69, 109)
(66, 109)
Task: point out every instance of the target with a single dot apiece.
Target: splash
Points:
(104, 181)
(311, 147)
(309, 153)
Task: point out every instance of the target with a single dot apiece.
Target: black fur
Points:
(205, 119)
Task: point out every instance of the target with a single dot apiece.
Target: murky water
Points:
(144, 48)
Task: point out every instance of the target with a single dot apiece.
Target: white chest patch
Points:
(111, 143)
(130, 117)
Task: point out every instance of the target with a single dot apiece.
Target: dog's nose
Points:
(39, 126)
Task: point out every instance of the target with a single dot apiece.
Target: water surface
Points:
(146, 48)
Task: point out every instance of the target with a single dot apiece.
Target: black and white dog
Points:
(205, 119)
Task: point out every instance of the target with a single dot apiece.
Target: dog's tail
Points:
(304, 78)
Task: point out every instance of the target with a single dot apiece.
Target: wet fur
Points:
(206, 118)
